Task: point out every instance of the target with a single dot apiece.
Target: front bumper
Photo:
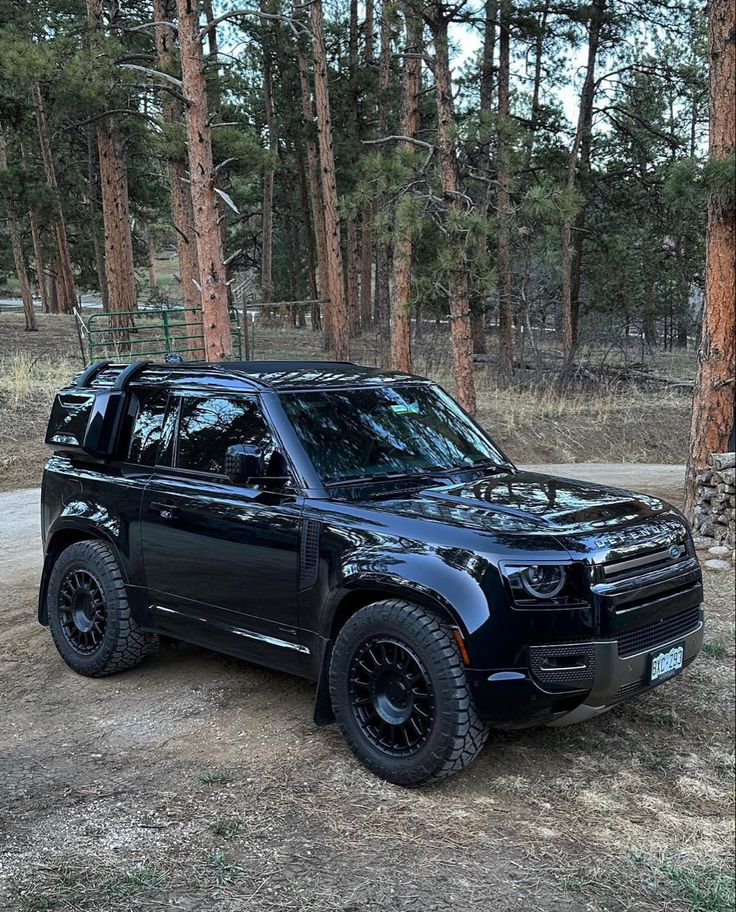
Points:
(595, 679)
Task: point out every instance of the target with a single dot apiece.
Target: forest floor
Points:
(198, 782)
(614, 421)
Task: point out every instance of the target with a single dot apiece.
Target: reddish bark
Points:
(713, 400)
(218, 342)
(182, 214)
(11, 219)
(462, 343)
(505, 285)
(579, 163)
(315, 190)
(68, 299)
(402, 248)
(337, 306)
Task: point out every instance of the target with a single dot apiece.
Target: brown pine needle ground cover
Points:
(198, 782)
(532, 421)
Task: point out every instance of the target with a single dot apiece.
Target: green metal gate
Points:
(145, 333)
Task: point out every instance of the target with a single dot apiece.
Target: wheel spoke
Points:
(391, 696)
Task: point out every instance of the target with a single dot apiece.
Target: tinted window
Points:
(207, 427)
(147, 425)
(373, 432)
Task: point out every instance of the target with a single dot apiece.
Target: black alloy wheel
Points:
(392, 696)
(89, 615)
(400, 693)
(82, 610)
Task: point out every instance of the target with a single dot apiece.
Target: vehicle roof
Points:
(276, 375)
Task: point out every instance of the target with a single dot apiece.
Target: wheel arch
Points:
(59, 539)
(353, 599)
(347, 604)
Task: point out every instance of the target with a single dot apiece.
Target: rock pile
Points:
(714, 516)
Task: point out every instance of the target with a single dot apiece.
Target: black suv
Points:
(355, 527)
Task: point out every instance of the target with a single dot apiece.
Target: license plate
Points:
(665, 664)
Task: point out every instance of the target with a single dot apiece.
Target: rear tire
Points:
(89, 615)
(400, 694)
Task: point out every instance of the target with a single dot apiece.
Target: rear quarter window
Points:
(145, 424)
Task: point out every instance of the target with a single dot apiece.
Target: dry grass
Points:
(27, 388)
(532, 420)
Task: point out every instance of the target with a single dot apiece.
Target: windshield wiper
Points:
(387, 476)
(495, 468)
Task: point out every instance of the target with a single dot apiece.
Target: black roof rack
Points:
(126, 375)
(91, 371)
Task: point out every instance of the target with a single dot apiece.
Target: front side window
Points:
(147, 408)
(374, 432)
(208, 426)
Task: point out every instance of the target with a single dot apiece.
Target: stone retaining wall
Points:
(714, 516)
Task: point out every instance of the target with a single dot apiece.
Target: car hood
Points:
(527, 502)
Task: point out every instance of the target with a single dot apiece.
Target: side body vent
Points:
(309, 553)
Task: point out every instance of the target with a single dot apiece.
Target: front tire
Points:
(400, 694)
(89, 615)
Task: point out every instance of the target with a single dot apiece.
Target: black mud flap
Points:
(323, 714)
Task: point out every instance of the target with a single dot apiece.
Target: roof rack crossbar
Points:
(129, 373)
(90, 372)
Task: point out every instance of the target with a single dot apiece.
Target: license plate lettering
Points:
(665, 664)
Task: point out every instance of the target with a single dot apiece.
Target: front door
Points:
(221, 559)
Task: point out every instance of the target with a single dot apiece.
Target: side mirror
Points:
(244, 461)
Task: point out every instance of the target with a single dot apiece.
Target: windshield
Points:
(372, 433)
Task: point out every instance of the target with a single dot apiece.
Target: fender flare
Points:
(65, 532)
(375, 588)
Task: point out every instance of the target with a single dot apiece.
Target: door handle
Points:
(165, 510)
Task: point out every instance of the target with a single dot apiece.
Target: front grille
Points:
(650, 635)
(636, 687)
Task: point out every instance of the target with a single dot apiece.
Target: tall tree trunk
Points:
(308, 230)
(505, 281)
(218, 341)
(351, 240)
(68, 300)
(97, 231)
(462, 343)
(315, 190)
(402, 246)
(121, 288)
(712, 426)
(483, 199)
(40, 261)
(337, 308)
(572, 234)
(522, 310)
(182, 214)
(16, 244)
(51, 291)
(268, 179)
(366, 231)
(38, 256)
(383, 247)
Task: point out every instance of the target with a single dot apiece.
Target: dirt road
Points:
(197, 782)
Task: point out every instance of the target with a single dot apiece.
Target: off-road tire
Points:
(123, 644)
(456, 734)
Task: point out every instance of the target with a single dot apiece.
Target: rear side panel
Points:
(93, 500)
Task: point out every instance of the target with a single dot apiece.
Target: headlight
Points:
(543, 582)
